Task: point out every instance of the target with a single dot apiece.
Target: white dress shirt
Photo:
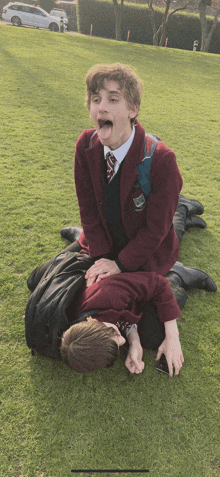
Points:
(121, 152)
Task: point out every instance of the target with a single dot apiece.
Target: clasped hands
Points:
(101, 269)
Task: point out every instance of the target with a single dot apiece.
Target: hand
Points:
(101, 269)
(171, 347)
(134, 361)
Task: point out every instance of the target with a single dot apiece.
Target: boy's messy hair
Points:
(88, 346)
(123, 74)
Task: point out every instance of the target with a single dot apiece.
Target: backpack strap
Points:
(144, 168)
(150, 144)
(90, 141)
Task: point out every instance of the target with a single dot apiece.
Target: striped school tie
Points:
(110, 165)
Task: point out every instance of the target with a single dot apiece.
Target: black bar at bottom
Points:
(111, 470)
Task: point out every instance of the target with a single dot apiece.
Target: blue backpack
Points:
(144, 167)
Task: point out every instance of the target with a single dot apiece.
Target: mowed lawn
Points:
(53, 419)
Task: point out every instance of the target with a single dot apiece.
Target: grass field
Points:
(55, 420)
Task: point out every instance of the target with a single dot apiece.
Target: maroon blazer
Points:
(153, 244)
(118, 297)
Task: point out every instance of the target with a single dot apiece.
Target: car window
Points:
(35, 11)
(15, 7)
(26, 9)
(56, 13)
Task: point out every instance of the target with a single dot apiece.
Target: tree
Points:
(118, 8)
(160, 34)
(46, 4)
(207, 36)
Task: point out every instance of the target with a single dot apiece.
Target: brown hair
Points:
(88, 346)
(123, 74)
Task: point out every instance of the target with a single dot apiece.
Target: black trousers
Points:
(151, 330)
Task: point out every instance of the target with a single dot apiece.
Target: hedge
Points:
(182, 28)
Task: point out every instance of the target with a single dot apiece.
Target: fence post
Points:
(61, 24)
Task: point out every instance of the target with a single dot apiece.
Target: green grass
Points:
(55, 420)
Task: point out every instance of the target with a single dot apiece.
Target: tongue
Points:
(105, 132)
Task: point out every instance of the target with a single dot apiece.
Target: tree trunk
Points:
(118, 18)
(203, 21)
(162, 30)
(206, 37)
(159, 36)
(152, 20)
(164, 24)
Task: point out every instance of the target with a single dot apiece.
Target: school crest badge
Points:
(139, 202)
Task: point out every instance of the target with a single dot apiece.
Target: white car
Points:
(59, 13)
(23, 14)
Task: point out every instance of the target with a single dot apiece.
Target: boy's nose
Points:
(103, 105)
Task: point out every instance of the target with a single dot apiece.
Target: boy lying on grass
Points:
(87, 324)
(94, 343)
(130, 303)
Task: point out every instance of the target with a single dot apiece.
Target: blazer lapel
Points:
(129, 174)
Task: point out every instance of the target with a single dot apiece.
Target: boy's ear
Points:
(134, 112)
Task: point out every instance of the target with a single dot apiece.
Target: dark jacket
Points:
(54, 286)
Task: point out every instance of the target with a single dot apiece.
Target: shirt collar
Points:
(121, 152)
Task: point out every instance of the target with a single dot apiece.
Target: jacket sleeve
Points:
(166, 182)
(123, 291)
(93, 230)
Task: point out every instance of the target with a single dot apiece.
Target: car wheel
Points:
(16, 21)
(53, 27)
